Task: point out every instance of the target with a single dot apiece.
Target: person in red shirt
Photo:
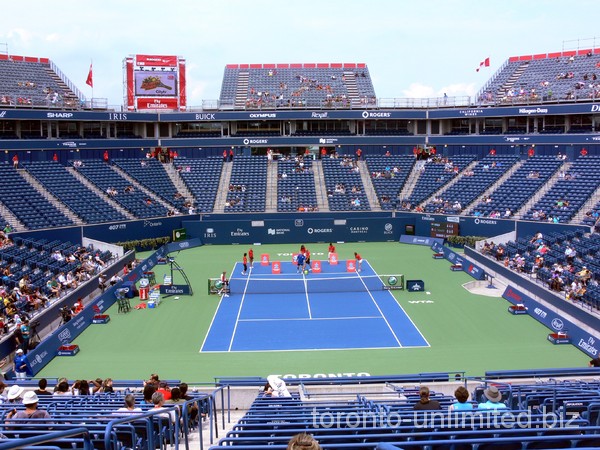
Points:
(331, 250)
(55, 157)
(105, 156)
(224, 155)
(358, 259)
(164, 390)
(531, 152)
(323, 153)
(493, 151)
(245, 263)
(251, 257)
(358, 154)
(583, 152)
(231, 154)
(15, 160)
(307, 256)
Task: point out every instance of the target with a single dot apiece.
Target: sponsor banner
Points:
(507, 111)
(135, 229)
(163, 84)
(155, 61)
(77, 115)
(175, 289)
(467, 266)
(294, 230)
(420, 240)
(584, 341)
(415, 285)
(155, 103)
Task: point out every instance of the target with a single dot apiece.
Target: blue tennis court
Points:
(291, 311)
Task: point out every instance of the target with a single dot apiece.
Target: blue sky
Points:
(413, 49)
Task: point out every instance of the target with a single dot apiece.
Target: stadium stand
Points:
(30, 270)
(519, 187)
(296, 185)
(360, 418)
(471, 184)
(434, 175)
(104, 178)
(108, 423)
(345, 189)
(30, 81)
(201, 176)
(545, 77)
(26, 203)
(257, 86)
(388, 175)
(247, 185)
(572, 189)
(152, 175)
(64, 186)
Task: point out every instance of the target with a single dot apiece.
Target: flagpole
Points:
(92, 102)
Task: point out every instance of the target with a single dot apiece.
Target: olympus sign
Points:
(262, 116)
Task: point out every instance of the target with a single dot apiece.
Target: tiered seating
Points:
(151, 174)
(587, 250)
(519, 187)
(247, 185)
(295, 190)
(569, 193)
(148, 429)
(472, 185)
(345, 190)
(435, 175)
(64, 186)
(201, 177)
(31, 82)
(103, 177)
(27, 204)
(366, 421)
(554, 77)
(34, 257)
(288, 85)
(388, 175)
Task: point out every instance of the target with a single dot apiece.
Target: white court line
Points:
(306, 293)
(378, 308)
(312, 318)
(237, 319)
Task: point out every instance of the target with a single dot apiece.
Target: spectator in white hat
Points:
(14, 394)
(30, 400)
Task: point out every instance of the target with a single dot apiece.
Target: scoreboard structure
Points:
(155, 82)
(444, 229)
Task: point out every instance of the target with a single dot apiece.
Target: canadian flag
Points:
(484, 63)
(90, 79)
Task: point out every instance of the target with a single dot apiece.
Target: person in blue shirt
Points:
(494, 399)
(21, 363)
(300, 261)
(462, 395)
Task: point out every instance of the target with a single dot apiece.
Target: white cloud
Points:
(418, 90)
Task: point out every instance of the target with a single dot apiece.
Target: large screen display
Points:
(155, 84)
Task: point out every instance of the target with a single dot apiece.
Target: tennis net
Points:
(309, 284)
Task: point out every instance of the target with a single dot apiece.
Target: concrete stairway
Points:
(223, 188)
(320, 187)
(271, 200)
(368, 186)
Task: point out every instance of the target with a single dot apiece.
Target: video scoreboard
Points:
(443, 229)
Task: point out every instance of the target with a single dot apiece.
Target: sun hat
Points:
(19, 350)
(492, 394)
(14, 392)
(30, 398)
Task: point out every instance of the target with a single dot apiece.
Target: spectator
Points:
(164, 389)
(275, 387)
(41, 390)
(303, 441)
(494, 399)
(129, 406)
(425, 404)
(462, 395)
(158, 401)
(21, 365)
(14, 394)
(30, 400)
